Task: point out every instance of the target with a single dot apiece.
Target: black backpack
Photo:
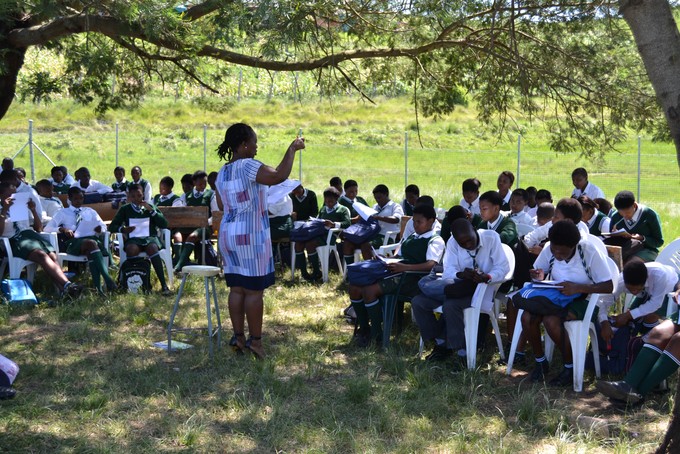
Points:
(135, 275)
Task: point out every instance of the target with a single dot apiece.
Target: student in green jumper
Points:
(349, 197)
(334, 216)
(638, 228)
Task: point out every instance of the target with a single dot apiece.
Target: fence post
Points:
(30, 149)
(519, 157)
(405, 158)
(116, 144)
(205, 148)
(639, 169)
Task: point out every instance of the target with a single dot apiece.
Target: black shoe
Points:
(540, 371)
(165, 291)
(618, 390)
(439, 353)
(564, 378)
(460, 363)
(73, 291)
(362, 339)
(7, 392)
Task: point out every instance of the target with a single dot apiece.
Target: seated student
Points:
(280, 218)
(638, 226)
(187, 183)
(121, 184)
(388, 216)
(472, 257)
(542, 196)
(7, 164)
(579, 177)
(658, 359)
(606, 207)
(518, 201)
(544, 214)
(212, 178)
(88, 185)
(580, 268)
(409, 228)
(136, 173)
(470, 200)
(200, 196)
(167, 198)
(411, 193)
(137, 208)
(21, 174)
(49, 202)
(66, 222)
(305, 204)
(490, 207)
(596, 221)
(68, 179)
(334, 216)
(12, 177)
(532, 205)
(567, 208)
(504, 183)
(348, 198)
(651, 283)
(420, 251)
(336, 182)
(58, 183)
(27, 243)
(457, 212)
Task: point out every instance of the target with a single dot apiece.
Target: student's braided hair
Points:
(236, 134)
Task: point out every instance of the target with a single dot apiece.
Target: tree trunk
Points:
(658, 41)
(671, 441)
(13, 60)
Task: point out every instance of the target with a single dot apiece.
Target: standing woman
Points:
(245, 241)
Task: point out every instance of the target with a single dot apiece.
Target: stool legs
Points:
(174, 312)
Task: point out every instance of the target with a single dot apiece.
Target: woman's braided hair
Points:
(236, 134)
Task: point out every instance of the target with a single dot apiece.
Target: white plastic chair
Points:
(324, 253)
(670, 255)
(165, 253)
(17, 265)
(483, 292)
(64, 257)
(578, 332)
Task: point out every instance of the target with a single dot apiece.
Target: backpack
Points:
(613, 358)
(135, 275)
(211, 258)
(18, 292)
(308, 230)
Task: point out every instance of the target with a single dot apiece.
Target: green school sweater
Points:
(340, 214)
(306, 207)
(165, 203)
(506, 229)
(595, 228)
(126, 212)
(648, 224)
(202, 201)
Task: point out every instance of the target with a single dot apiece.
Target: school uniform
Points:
(131, 211)
(540, 234)
(489, 258)
(661, 280)
(519, 218)
(305, 206)
(200, 199)
(407, 208)
(170, 200)
(60, 188)
(598, 223)
(146, 188)
(68, 180)
(471, 207)
(645, 222)
(94, 186)
(592, 191)
(280, 220)
(22, 238)
(120, 186)
(531, 211)
(506, 201)
(339, 215)
(349, 203)
(505, 228)
(389, 209)
(50, 206)
(69, 218)
(26, 188)
(409, 229)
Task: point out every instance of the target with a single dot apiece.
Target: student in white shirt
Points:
(579, 178)
(470, 200)
(50, 203)
(566, 208)
(505, 181)
(88, 185)
(518, 201)
(472, 257)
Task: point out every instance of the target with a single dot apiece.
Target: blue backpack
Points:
(18, 292)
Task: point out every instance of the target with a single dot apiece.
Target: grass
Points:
(90, 381)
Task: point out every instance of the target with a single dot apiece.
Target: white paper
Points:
(364, 210)
(19, 210)
(141, 226)
(546, 284)
(279, 191)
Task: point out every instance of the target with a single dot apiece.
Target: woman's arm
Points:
(270, 176)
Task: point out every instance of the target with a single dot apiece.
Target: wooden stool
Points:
(208, 273)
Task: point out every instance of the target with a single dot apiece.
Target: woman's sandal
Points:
(257, 350)
(236, 345)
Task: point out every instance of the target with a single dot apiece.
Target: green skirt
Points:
(28, 241)
(74, 245)
(145, 241)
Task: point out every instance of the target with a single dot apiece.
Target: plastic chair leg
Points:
(292, 261)
(515, 340)
(497, 332)
(389, 306)
(471, 317)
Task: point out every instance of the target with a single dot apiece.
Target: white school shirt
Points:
(573, 270)
(50, 206)
(540, 233)
(23, 187)
(592, 191)
(489, 257)
(67, 218)
(661, 280)
(519, 218)
(473, 207)
(409, 229)
(95, 186)
(531, 211)
(390, 209)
